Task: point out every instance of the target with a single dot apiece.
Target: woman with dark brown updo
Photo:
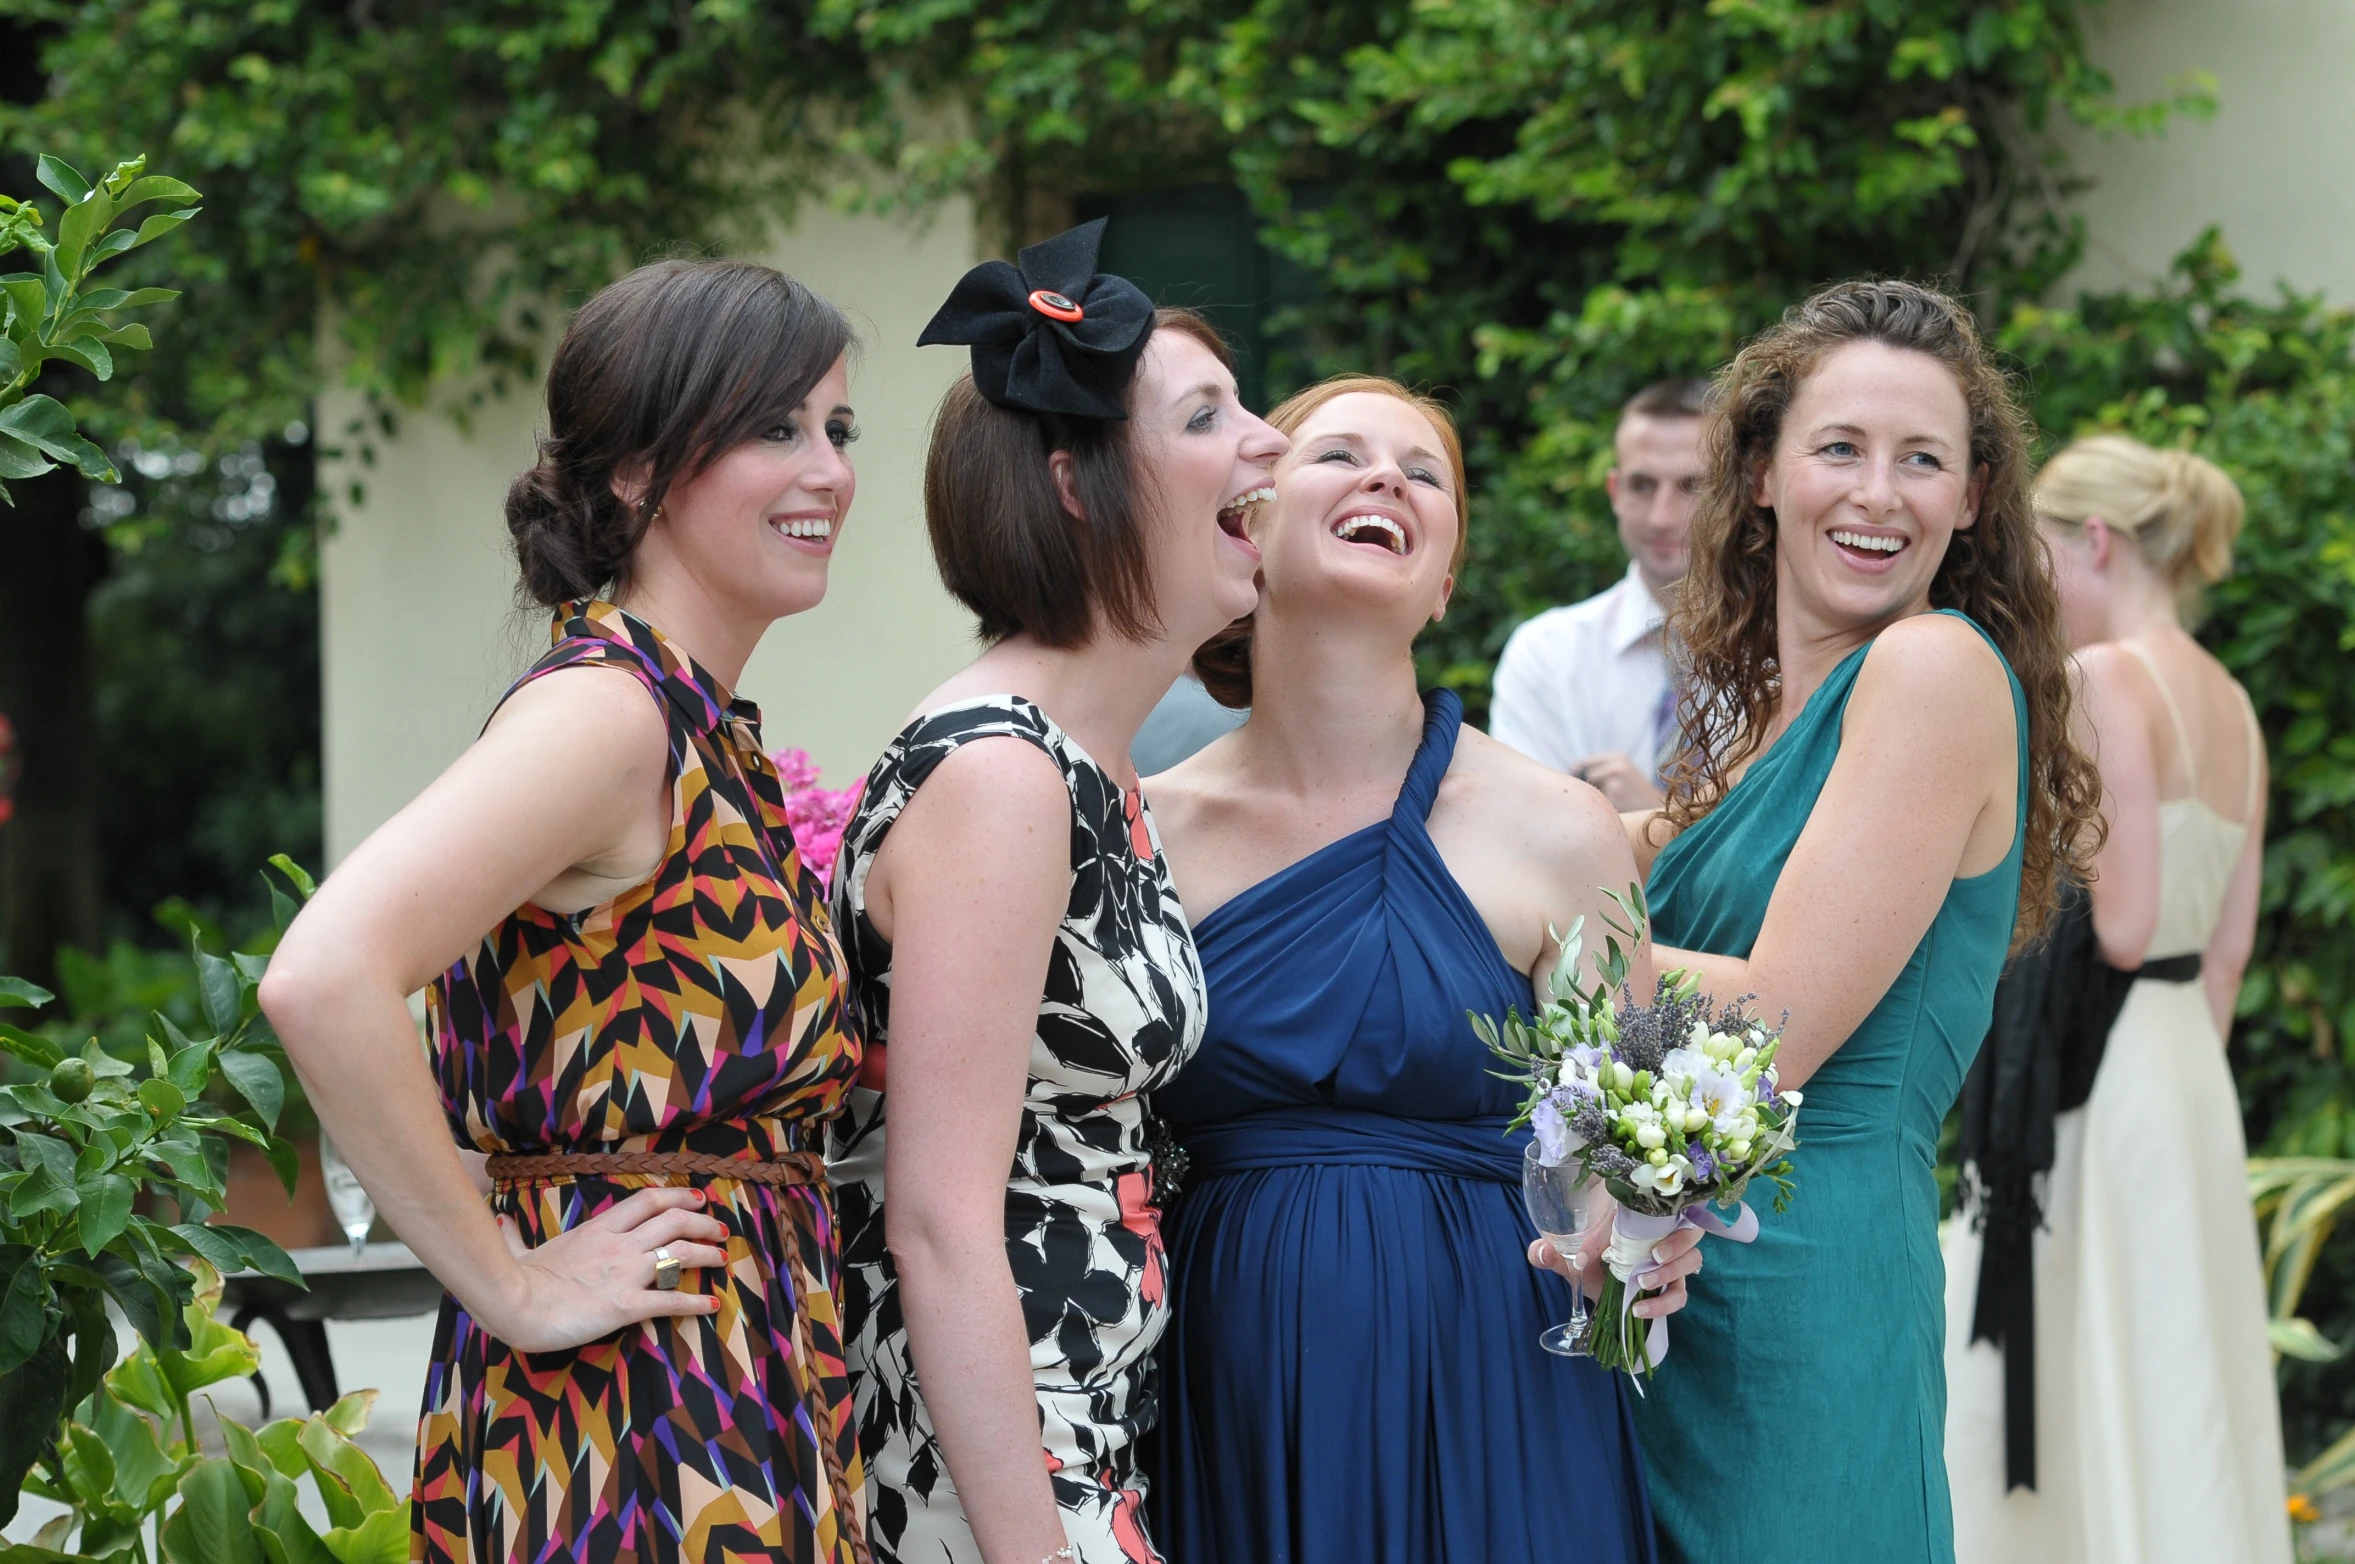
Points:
(1877, 796)
(636, 999)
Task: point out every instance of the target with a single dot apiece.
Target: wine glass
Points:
(354, 1212)
(1556, 1199)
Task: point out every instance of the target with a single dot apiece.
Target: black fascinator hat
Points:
(1050, 334)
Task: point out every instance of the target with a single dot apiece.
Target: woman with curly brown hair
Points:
(1877, 793)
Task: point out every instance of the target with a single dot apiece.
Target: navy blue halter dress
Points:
(1351, 1373)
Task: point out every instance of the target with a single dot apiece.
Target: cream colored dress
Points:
(2158, 1435)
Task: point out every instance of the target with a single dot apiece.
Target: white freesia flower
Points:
(1719, 1093)
(1651, 1137)
(1681, 1068)
(1665, 1178)
(1792, 1099)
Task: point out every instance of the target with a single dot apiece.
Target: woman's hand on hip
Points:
(598, 1278)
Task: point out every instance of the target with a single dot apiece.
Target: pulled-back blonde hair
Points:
(1224, 662)
(1997, 571)
(2180, 510)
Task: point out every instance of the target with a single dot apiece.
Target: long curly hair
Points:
(1998, 571)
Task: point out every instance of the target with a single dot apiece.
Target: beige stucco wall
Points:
(2274, 165)
(419, 623)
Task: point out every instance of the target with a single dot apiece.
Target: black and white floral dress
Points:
(1123, 1009)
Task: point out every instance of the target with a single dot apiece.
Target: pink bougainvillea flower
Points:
(816, 814)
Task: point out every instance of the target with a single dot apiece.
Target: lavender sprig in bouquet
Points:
(1672, 1105)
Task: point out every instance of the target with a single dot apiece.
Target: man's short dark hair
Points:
(1681, 396)
(1006, 547)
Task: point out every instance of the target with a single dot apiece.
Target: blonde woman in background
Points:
(2157, 1430)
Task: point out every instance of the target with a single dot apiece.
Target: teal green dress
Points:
(1800, 1415)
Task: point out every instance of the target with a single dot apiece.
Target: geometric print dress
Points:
(702, 1011)
(1122, 1009)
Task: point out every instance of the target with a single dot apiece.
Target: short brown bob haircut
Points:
(1006, 547)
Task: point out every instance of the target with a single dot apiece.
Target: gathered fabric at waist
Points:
(1320, 1136)
(763, 1139)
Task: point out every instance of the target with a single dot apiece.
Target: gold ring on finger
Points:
(666, 1271)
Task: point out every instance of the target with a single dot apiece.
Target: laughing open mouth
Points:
(1373, 530)
(1232, 514)
(1868, 545)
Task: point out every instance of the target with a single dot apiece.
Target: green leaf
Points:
(232, 1249)
(144, 1471)
(44, 422)
(19, 460)
(16, 993)
(91, 354)
(257, 1079)
(106, 1210)
(350, 1413)
(215, 1353)
(213, 1524)
(83, 222)
(282, 1443)
(24, 1306)
(2297, 1338)
(349, 1483)
(62, 178)
(94, 1343)
(154, 228)
(284, 1161)
(156, 187)
(88, 1464)
(49, 1184)
(383, 1538)
(34, 1395)
(223, 994)
(295, 875)
(139, 1381)
(131, 336)
(279, 1525)
(161, 1098)
(31, 1047)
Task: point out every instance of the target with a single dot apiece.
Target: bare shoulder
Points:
(589, 719)
(1564, 821)
(1934, 671)
(1003, 777)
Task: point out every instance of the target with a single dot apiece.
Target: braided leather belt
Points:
(793, 1169)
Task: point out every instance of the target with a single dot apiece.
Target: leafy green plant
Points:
(54, 313)
(137, 1484)
(2303, 1196)
(86, 1140)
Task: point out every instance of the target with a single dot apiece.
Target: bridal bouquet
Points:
(1673, 1106)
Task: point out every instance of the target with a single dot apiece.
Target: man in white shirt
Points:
(1586, 689)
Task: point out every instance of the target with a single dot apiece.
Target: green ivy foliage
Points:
(428, 176)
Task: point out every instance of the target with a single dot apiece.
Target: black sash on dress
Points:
(2053, 1012)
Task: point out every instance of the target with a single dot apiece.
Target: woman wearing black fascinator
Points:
(1023, 963)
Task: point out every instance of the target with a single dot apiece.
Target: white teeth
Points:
(1870, 544)
(819, 527)
(1349, 524)
(1259, 496)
